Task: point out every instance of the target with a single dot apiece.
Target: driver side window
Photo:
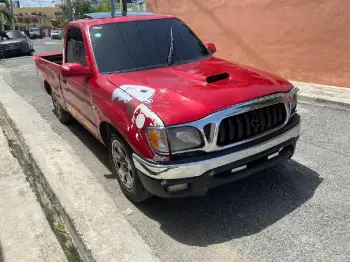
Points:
(75, 49)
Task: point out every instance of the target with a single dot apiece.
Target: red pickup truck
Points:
(176, 120)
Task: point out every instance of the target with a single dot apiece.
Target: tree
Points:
(81, 7)
(105, 6)
(5, 15)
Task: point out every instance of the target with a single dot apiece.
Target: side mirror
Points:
(74, 69)
(211, 47)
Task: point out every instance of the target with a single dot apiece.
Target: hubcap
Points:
(122, 164)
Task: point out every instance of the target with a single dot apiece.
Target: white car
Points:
(34, 32)
(56, 34)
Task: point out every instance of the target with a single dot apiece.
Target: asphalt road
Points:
(296, 211)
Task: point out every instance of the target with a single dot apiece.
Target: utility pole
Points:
(124, 7)
(12, 17)
(112, 4)
(70, 12)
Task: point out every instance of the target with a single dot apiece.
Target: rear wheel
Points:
(123, 168)
(62, 115)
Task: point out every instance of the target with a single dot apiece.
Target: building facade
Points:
(303, 40)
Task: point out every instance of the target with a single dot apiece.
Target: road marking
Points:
(53, 43)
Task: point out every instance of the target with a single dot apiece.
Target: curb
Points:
(323, 95)
(98, 229)
(323, 102)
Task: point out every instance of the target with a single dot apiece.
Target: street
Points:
(296, 211)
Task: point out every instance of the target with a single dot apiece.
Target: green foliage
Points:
(81, 7)
(5, 15)
(104, 7)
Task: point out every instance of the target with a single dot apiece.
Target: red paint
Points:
(182, 93)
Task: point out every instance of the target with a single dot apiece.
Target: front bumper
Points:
(217, 168)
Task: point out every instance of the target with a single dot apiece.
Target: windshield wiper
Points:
(171, 47)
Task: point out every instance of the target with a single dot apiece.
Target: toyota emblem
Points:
(256, 121)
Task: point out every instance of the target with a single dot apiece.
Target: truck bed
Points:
(53, 58)
(48, 69)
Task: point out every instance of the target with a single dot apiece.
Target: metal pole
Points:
(124, 8)
(70, 13)
(112, 3)
(12, 18)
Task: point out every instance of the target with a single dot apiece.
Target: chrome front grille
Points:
(243, 122)
(250, 124)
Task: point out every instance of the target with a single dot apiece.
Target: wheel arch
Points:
(47, 87)
(105, 128)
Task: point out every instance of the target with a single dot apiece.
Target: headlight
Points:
(158, 139)
(177, 139)
(294, 100)
(183, 138)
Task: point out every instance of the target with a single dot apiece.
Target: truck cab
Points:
(175, 119)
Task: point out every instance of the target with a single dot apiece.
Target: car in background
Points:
(18, 44)
(35, 32)
(56, 34)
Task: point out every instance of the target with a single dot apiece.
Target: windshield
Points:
(15, 34)
(55, 31)
(138, 45)
(33, 29)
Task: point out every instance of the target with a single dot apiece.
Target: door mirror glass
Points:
(74, 69)
(211, 47)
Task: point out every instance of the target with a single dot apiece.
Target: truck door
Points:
(75, 89)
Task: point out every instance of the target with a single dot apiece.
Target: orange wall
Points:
(305, 40)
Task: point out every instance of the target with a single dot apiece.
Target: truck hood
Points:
(188, 92)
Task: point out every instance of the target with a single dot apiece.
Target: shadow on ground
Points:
(1, 255)
(240, 209)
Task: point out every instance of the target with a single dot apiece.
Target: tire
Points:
(63, 116)
(120, 155)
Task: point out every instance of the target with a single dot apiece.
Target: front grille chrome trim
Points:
(216, 118)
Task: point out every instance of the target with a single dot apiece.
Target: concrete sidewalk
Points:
(98, 228)
(25, 234)
(338, 97)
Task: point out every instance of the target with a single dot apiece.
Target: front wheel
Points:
(62, 115)
(123, 168)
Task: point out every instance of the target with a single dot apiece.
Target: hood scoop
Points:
(202, 79)
(218, 77)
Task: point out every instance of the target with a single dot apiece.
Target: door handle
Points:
(64, 80)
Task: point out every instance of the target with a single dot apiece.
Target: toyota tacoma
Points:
(175, 119)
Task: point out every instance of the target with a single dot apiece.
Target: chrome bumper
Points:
(195, 169)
